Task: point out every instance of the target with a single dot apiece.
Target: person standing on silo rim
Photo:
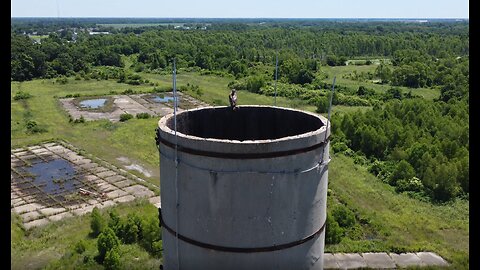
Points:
(233, 99)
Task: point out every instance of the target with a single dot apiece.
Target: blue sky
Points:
(242, 8)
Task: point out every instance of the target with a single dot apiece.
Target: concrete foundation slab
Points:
(17, 202)
(36, 223)
(105, 174)
(29, 216)
(139, 191)
(155, 201)
(329, 261)
(107, 204)
(51, 211)
(116, 193)
(124, 183)
(406, 259)
(60, 216)
(115, 178)
(27, 208)
(350, 260)
(431, 258)
(123, 199)
(84, 210)
(379, 260)
(42, 202)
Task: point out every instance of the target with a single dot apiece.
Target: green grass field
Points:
(400, 223)
(427, 93)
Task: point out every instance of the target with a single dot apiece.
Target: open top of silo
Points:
(248, 129)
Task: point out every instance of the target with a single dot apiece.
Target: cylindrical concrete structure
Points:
(251, 187)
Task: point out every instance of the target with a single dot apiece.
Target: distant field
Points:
(339, 71)
(137, 25)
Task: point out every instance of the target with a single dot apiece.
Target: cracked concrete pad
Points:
(107, 188)
(116, 193)
(406, 259)
(83, 210)
(52, 210)
(99, 169)
(329, 261)
(29, 216)
(27, 208)
(124, 183)
(91, 177)
(379, 260)
(36, 223)
(431, 258)
(106, 174)
(60, 216)
(139, 191)
(114, 178)
(106, 204)
(123, 199)
(350, 261)
(17, 202)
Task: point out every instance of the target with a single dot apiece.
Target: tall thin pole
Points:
(276, 77)
(331, 99)
(176, 157)
(328, 121)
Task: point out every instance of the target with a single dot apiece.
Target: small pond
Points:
(93, 103)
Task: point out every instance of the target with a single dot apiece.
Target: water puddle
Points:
(54, 176)
(93, 103)
(162, 99)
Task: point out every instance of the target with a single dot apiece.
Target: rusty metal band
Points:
(239, 249)
(241, 155)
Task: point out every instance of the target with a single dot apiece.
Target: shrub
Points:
(157, 248)
(79, 120)
(128, 92)
(333, 233)
(97, 223)
(130, 232)
(22, 95)
(343, 216)
(322, 105)
(112, 259)
(106, 241)
(80, 247)
(254, 83)
(339, 147)
(150, 234)
(32, 127)
(143, 115)
(403, 171)
(62, 80)
(412, 184)
(125, 117)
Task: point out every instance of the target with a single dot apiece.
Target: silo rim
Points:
(228, 145)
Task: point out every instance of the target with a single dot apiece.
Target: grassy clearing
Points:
(401, 223)
(427, 93)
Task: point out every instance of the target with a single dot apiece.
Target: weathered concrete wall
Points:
(239, 190)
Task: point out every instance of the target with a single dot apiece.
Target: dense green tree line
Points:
(219, 47)
(415, 145)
